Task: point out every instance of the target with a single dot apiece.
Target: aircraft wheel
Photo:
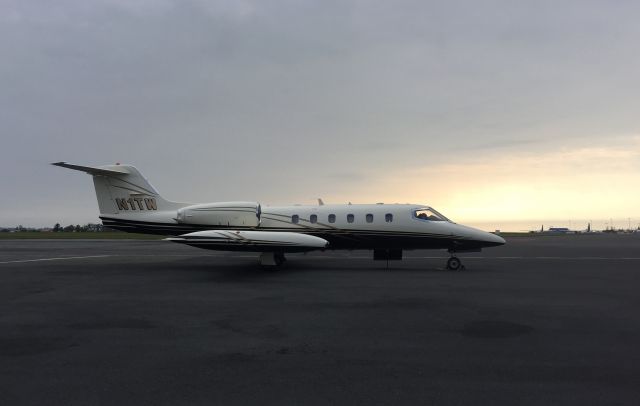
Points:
(454, 264)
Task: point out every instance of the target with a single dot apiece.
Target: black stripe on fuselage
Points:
(337, 238)
(302, 230)
(177, 229)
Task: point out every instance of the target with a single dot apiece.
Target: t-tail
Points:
(126, 199)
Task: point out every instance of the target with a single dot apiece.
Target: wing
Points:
(256, 241)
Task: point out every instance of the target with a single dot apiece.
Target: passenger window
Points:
(388, 217)
(350, 218)
(332, 218)
(313, 218)
(369, 218)
(295, 218)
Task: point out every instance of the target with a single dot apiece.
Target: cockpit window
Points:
(429, 214)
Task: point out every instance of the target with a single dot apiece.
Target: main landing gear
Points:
(454, 263)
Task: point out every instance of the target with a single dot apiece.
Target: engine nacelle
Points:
(231, 214)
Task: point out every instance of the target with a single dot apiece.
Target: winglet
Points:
(320, 202)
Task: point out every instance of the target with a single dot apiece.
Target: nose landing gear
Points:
(454, 263)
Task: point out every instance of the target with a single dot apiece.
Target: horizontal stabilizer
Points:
(110, 170)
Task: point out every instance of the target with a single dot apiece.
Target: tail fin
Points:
(122, 189)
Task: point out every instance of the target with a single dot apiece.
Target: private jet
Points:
(128, 202)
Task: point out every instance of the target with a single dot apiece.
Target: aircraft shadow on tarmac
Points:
(236, 269)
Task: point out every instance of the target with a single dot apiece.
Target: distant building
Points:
(563, 230)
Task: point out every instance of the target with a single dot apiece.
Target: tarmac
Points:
(540, 321)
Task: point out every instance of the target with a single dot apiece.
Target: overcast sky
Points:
(488, 110)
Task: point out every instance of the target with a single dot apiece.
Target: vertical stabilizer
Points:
(122, 190)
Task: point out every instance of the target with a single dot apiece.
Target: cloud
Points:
(264, 100)
(581, 181)
(498, 144)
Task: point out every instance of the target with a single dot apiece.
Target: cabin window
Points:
(369, 218)
(350, 218)
(313, 218)
(388, 217)
(332, 218)
(295, 219)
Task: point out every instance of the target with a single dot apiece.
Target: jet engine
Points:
(231, 214)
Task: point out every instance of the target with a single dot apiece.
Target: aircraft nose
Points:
(479, 238)
(494, 240)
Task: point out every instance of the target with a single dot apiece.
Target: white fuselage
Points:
(344, 226)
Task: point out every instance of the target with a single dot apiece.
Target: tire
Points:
(454, 264)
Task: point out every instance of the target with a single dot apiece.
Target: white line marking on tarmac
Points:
(346, 257)
(476, 257)
(554, 258)
(53, 259)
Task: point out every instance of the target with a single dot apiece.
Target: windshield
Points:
(429, 214)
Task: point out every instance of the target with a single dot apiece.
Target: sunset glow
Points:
(589, 182)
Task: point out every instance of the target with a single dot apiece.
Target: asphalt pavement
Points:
(540, 321)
